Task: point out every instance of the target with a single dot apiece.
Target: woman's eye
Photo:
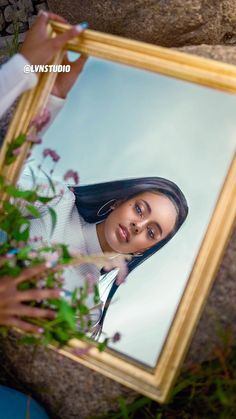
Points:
(138, 209)
(151, 233)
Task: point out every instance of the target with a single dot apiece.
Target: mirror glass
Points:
(120, 122)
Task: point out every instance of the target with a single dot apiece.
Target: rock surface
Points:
(16, 17)
(70, 391)
(164, 22)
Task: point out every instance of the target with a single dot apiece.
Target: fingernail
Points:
(62, 294)
(82, 26)
(42, 12)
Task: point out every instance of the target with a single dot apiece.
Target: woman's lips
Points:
(123, 233)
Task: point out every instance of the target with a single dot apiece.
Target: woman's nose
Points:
(136, 228)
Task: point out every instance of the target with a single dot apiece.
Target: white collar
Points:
(91, 239)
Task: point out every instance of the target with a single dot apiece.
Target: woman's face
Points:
(139, 223)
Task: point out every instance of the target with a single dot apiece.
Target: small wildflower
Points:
(40, 121)
(80, 351)
(46, 152)
(73, 253)
(16, 151)
(60, 280)
(116, 337)
(21, 244)
(52, 153)
(32, 254)
(51, 259)
(33, 138)
(71, 174)
(36, 239)
(91, 279)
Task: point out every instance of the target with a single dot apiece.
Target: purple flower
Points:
(116, 337)
(91, 279)
(33, 138)
(71, 174)
(80, 351)
(121, 276)
(51, 259)
(16, 151)
(52, 153)
(41, 120)
(36, 239)
(32, 254)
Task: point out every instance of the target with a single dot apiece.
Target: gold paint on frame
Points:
(152, 382)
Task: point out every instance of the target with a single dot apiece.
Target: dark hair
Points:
(90, 198)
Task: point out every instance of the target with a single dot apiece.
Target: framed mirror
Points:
(140, 112)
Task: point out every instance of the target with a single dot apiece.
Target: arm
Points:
(63, 84)
(13, 81)
(36, 49)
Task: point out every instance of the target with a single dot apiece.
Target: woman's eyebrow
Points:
(149, 211)
(147, 206)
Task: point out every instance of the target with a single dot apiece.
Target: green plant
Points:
(12, 46)
(19, 252)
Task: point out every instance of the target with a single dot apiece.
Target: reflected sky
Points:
(120, 122)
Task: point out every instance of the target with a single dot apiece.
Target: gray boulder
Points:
(170, 23)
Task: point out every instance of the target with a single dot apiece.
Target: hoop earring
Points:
(99, 214)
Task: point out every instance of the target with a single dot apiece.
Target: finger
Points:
(37, 295)
(22, 310)
(65, 60)
(35, 272)
(60, 40)
(78, 64)
(31, 272)
(41, 20)
(56, 17)
(21, 324)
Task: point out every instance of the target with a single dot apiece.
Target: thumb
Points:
(59, 41)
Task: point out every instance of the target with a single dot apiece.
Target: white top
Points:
(13, 81)
(70, 229)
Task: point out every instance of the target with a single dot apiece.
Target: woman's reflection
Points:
(132, 216)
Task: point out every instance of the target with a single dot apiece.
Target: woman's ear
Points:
(116, 204)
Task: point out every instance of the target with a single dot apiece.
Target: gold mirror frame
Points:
(152, 382)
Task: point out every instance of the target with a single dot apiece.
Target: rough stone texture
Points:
(66, 390)
(10, 14)
(41, 6)
(3, 3)
(21, 27)
(2, 22)
(19, 12)
(224, 53)
(7, 40)
(168, 23)
(70, 391)
(219, 314)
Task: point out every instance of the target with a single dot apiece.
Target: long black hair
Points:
(90, 198)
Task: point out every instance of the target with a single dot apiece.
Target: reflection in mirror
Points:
(121, 123)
